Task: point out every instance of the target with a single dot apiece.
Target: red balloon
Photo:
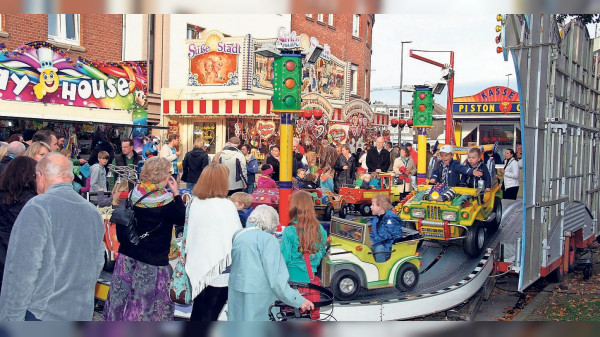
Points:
(409, 123)
(394, 122)
(318, 113)
(308, 113)
(402, 122)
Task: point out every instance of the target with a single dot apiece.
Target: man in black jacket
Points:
(378, 158)
(128, 157)
(194, 163)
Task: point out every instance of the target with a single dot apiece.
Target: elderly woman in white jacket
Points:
(510, 186)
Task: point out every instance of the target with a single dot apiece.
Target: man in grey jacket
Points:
(55, 253)
(234, 159)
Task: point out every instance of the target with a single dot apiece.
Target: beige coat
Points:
(410, 167)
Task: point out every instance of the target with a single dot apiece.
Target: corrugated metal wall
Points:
(559, 104)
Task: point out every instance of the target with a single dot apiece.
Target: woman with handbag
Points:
(139, 284)
(303, 243)
(510, 185)
(212, 221)
(259, 275)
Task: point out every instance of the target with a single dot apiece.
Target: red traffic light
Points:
(290, 65)
(422, 95)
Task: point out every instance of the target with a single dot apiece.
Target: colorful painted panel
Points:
(213, 61)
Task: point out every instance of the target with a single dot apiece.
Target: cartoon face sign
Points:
(48, 83)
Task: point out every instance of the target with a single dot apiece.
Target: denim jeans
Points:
(380, 257)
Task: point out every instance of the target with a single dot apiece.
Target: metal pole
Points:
(508, 80)
(400, 109)
(449, 123)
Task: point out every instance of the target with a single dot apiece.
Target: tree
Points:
(585, 18)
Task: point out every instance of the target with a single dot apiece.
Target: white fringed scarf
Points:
(211, 225)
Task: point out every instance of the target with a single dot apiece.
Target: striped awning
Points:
(225, 107)
(222, 107)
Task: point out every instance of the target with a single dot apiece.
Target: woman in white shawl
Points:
(212, 221)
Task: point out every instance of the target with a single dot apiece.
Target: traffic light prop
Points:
(287, 83)
(423, 107)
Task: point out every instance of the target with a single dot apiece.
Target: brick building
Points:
(349, 36)
(91, 36)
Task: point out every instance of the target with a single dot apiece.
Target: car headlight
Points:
(449, 216)
(417, 213)
(434, 196)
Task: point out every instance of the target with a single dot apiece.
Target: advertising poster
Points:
(213, 61)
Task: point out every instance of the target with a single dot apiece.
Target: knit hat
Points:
(267, 171)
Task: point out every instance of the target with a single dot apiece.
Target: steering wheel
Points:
(287, 312)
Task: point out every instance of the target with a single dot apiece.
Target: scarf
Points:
(404, 160)
(248, 157)
(156, 199)
(209, 240)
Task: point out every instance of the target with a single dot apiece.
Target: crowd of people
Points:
(51, 248)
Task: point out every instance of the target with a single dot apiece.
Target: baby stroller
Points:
(289, 313)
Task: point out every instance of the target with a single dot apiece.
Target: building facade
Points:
(350, 38)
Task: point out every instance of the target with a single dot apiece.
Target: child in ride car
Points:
(366, 179)
(474, 161)
(447, 170)
(386, 227)
(375, 182)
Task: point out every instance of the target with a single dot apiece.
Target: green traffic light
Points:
(289, 100)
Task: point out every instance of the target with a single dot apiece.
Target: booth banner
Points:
(41, 72)
(265, 129)
(496, 99)
(359, 115)
(338, 133)
(213, 61)
(316, 113)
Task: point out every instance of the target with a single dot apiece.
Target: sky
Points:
(472, 38)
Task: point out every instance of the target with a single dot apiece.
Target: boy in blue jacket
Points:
(243, 203)
(386, 227)
(447, 171)
(474, 161)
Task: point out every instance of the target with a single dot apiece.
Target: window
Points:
(64, 28)
(505, 135)
(355, 25)
(207, 131)
(193, 32)
(309, 16)
(330, 20)
(354, 79)
(366, 77)
(320, 17)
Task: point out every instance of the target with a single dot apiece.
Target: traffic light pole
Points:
(286, 135)
(449, 121)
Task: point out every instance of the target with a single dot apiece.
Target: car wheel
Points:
(345, 285)
(365, 209)
(495, 224)
(109, 265)
(343, 211)
(475, 240)
(328, 213)
(407, 277)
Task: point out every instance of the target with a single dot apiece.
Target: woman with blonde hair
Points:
(212, 220)
(139, 284)
(3, 149)
(37, 150)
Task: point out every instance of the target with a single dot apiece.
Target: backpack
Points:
(252, 166)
